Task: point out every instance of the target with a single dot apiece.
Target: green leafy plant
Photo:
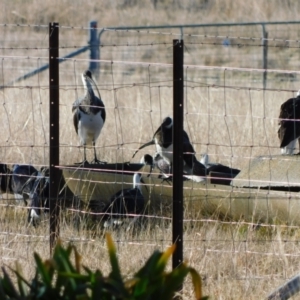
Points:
(59, 278)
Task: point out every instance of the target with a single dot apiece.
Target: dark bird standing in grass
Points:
(163, 140)
(126, 203)
(5, 178)
(289, 124)
(89, 115)
(22, 181)
(39, 197)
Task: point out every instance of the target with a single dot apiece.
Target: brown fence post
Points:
(54, 131)
(177, 222)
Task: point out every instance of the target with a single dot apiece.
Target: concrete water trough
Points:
(280, 172)
(266, 189)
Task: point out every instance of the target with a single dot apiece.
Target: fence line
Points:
(234, 121)
(95, 41)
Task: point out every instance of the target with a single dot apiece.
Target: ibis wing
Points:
(76, 118)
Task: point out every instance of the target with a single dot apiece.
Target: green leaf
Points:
(150, 282)
(196, 279)
(172, 282)
(43, 270)
(3, 295)
(115, 272)
(115, 283)
(88, 271)
(149, 269)
(22, 283)
(130, 283)
(8, 286)
(62, 258)
(151, 276)
(96, 283)
(73, 275)
(62, 262)
(77, 260)
(165, 257)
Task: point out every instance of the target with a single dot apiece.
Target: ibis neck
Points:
(88, 84)
(136, 181)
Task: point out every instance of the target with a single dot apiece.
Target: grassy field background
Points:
(228, 116)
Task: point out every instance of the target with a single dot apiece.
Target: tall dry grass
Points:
(232, 124)
(235, 261)
(145, 12)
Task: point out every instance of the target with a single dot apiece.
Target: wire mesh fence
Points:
(242, 235)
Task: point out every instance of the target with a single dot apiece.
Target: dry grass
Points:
(235, 261)
(132, 12)
(231, 124)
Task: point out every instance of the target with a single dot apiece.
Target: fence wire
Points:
(244, 234)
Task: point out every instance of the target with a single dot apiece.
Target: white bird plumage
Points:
(89, 115)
